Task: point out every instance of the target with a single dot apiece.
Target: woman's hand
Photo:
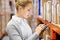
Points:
(40, 28)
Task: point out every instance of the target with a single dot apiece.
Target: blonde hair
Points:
(22, 3)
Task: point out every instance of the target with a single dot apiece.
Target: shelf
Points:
(52, 26)
(3, 34)
(1, 14)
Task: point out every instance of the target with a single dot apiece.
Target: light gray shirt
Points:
(18, 29)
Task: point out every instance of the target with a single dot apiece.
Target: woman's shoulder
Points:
(10, 22)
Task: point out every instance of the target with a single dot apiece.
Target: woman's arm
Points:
(12, 33)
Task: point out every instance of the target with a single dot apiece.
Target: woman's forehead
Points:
(29, 6)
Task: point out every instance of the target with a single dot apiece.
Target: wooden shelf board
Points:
(1, 14)
(52, 26)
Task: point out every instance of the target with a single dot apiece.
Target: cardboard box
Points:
(45, 11)
(42, 12)
(3, 23)
(0, 26)
(46, 34)
(58, 13)
(54, 12)
(54, 2)
(48, 11)
(42, 9)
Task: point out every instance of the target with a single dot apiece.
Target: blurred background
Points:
(46, 9)
(7, 9)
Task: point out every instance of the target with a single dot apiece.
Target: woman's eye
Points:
(28, 9)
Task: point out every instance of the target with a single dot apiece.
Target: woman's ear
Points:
(20, 8)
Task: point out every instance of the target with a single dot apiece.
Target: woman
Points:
(18, 28)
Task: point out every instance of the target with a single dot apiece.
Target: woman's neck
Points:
(18, 14)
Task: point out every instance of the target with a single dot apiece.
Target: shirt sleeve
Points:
(14, 35)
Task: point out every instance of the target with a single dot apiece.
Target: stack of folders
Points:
(58, 13)
(48, 11)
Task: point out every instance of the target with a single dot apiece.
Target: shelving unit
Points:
(1, 24)
(53, 28)
(2, 14)
(54, 23)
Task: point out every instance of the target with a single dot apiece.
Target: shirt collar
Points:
(14, 17)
